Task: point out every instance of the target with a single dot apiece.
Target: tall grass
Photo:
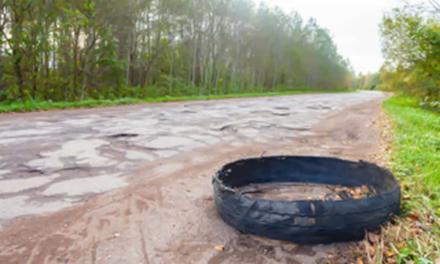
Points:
(416, 162)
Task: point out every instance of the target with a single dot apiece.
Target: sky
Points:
(354, 25)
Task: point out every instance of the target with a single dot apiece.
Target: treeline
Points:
(68, 50)
(369, 81)
(411, 44)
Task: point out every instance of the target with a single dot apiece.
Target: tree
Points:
(73, 50)
(411, 44)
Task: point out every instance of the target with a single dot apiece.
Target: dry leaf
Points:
(220, 248)
(359, 260)
(389, 253)
(413, 217)
(401, 245)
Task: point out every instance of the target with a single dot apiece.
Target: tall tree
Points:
(72, 50)
(411, 44)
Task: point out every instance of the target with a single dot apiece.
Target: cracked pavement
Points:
(52, 160)
(132, 184)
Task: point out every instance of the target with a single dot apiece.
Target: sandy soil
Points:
(165, 213)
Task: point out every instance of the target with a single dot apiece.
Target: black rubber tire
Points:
(312, 221)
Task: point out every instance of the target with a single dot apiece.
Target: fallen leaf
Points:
(389, 253)
(359, 260)
(220, 248)
(413, 217)
(401, 245)
(289, 247)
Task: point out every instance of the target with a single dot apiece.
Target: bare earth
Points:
(132, 184)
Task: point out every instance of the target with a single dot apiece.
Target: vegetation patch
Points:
(411, 45)
(29, 106)
(415, 236)
(73, 50)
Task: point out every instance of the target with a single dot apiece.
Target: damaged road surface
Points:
(132, 184)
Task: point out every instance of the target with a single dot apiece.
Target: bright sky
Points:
(352, 23)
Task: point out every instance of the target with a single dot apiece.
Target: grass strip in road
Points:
(30, 106)
(415, 237)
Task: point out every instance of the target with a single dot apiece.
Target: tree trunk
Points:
(17, 53)
(91, 40)
(75, 63)
(18, 72)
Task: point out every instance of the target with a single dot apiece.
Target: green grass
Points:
(416, 163)
(30, 106)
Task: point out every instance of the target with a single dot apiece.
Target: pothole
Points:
(124, 135)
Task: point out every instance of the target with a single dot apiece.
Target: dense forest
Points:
(68, 50)
(411, 45)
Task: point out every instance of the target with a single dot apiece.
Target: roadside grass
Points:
(29, 106)
(414, 237)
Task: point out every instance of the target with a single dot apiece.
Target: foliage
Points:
(370, 81)
(28, 106)
(411, 44)
(415, 237)
(70, 50)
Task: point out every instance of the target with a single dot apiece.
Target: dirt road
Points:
(163, 156)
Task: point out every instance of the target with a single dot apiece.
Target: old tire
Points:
(313, 221)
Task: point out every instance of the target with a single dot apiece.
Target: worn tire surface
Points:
(312, 221)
